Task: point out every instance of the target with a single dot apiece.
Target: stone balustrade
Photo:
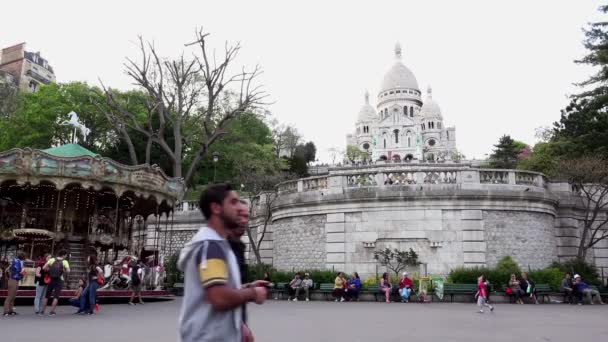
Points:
(401, 175)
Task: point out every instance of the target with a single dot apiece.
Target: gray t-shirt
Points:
(208, 261)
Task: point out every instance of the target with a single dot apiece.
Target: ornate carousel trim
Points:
(32, 166)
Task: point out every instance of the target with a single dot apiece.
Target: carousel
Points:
(70, 198)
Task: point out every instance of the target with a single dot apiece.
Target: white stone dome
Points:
(430, 109)
(399, 76)
(367, 112)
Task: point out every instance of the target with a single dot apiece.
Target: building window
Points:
(405, 110)
(439, 125)
(432, 142)
(447, 134)
(384, 143)
(385, 111)
(366, 146)
(396, 132)
(398, 91)
(411, 112)
(409, 141)
(423, 127)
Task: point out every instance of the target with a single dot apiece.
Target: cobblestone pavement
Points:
(326, 321)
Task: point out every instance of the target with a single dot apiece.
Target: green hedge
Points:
(256, 272)
(500, 275)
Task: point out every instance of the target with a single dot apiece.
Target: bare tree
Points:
(285, 138)
(334, 153)
(262, 189)
(191, 100)
(8, 94)
(589, 179)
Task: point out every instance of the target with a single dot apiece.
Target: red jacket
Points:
(407, 282)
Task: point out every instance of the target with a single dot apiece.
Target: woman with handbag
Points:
(89, 295)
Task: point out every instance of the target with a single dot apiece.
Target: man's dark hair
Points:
(62, 253)
(21, 256)
(214, 194)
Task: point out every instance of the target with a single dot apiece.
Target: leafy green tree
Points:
(584, 122)
(396, 260)
(37, 121)
(353, 154)
(505, 153)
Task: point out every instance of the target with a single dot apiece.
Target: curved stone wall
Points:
(528, 237)
(299, 242)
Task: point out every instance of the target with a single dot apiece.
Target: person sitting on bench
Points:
(295, 283)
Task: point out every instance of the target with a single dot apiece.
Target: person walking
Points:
(17, 272)
(213, 293)
(136, 283)
(482, 295)
(89, 295)
(40, 280)
(56, 268)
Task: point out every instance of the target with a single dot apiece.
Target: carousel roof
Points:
(74, 164)
(69, 150)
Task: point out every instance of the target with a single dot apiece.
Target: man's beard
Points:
(229, 223)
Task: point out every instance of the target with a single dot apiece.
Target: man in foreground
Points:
(213, 297)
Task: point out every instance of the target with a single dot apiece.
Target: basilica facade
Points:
(402, 126)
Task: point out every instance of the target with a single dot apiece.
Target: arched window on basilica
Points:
(409, 141)
(384, 143)
(396, 132)
(405, 110)
(411, 112)
(439, 125)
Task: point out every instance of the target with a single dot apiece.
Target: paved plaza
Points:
(326, 321)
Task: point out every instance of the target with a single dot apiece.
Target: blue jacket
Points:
(580, 286)
(356, 282)
(16, 267)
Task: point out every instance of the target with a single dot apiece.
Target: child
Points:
(482, 294)
(75, 301)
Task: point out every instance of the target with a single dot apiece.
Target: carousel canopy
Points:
(73, 164)
(70, 151)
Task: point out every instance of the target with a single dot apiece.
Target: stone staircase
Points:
(78, 265)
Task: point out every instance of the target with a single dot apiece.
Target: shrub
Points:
(586, 270)
(174, 275)
(369, 281)
(552, 276)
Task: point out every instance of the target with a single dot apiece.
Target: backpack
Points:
(135, 276)
(56, 269)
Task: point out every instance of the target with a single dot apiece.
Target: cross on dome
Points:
(429, 90)
(367, 97)
(398, 50)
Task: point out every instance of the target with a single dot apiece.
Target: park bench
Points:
(462, 289)
(543, 291)
(371, 289)
(278, 290)
(178, 289)
(326, 289)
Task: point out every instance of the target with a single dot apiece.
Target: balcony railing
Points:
(413, 175)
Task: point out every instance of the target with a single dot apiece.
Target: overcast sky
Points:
(496, 67)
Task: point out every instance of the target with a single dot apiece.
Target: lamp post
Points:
(216, 158)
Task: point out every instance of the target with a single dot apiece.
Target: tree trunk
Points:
(254, 247)
(582, 246)
(148, 150)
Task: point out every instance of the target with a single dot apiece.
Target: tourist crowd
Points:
(49, 279)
